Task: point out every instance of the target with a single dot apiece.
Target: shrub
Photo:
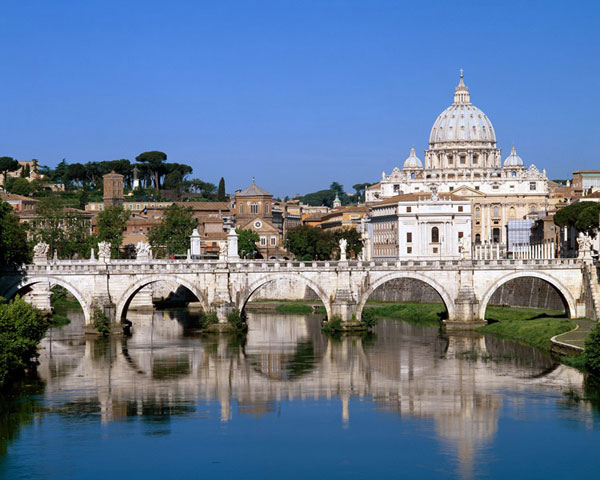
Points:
(368, 318)
(592, 350)
(101, 321)
(21, 329)
(236, 319)
(334, 325)
(209, 318)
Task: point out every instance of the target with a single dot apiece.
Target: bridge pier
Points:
(466, 304)
(40, 296)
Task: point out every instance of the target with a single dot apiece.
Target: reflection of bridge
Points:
(405, 369)
(465, 286)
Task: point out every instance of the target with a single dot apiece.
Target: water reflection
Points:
(167, 368)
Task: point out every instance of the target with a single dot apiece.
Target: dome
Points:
(412, 161)
(513, 160)
(462, 121)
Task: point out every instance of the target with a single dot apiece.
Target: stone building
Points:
(113, 189)
(411, 226)
(463, 158)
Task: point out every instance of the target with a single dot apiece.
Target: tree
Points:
(21, 329)
(247, 239)
(313, 243)
(18, 186)
(581, 215)
(111, 223)
(13, 238)
(173, 233)
(8, 164)
(592, 350)
(221, 192)
(156, 164)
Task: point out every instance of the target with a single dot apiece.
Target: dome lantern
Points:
(412, 161)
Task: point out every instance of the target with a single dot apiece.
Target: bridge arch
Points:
(247, 292)
(28, 282)
(123, 303)
(440, 290)
(568, 299)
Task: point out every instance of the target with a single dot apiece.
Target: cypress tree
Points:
(221, 191)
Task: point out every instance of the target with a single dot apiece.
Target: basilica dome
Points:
(412, 161)
(462, 121)
(513, 160)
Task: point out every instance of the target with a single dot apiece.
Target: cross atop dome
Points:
(461, 94)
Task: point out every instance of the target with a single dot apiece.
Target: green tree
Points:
(221, 192)
(592, 350)
(313, 243)
(156, 164)
(21, 329)
(111, 224)
(247, 239)
(8, 164)
(581, 215)
(173, 233)
(18, 186)
(13, 238)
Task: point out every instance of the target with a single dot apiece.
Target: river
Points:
(285, 401)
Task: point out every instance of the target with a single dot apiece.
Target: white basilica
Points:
(463, 160)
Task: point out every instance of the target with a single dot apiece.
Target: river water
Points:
(288, 402)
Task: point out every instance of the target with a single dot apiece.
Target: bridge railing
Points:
(189, 266)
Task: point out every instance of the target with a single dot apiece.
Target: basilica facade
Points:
(463, 160)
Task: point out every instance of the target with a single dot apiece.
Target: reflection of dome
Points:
(462, 121)
(412, 161)
(513, 160)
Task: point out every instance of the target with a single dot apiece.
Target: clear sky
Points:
(296, 93)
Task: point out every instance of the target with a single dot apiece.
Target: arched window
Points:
(477, 212)
(435, 235)
(496, 211)
(513, 212)
(254, 207)
(477, 238)
(532, 208)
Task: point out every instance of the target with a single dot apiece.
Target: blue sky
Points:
(296, 93)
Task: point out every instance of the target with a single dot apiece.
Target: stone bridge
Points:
(465, 286)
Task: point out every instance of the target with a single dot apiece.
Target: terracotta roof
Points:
(587, 171)
(592, 195)
(12, 196)
(212, 206)
(375, 186)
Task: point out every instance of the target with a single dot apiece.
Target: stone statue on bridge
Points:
(104, 252)
(584, 244)
(143, 251)
(465, 248)
(222, 250)
(40, 253)
(343, 246)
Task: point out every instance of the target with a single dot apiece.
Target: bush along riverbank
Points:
(21, 329)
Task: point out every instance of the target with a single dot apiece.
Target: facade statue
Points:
(343, 244)
(104, 251)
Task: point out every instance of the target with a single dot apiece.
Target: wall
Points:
(528, 292)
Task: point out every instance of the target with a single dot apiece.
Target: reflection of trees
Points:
(17, 409)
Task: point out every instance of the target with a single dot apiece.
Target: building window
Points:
(496, 211)
(408, 250)
(450, 160)
(408, 237)
(477, 212)
(241, 208)
(396, 188)
(514, 174)
(451, 188)
(475, 159)
(476, 187)
(496, 235)
(463, 160)
(273, 241)
(460, 235)
(408, 209)
(263, 241)
(532, 186)
(460, 208)
(477, 238)
(435, 250)
(412, 175)
(266, 208)
(435, 235)
(254, 207)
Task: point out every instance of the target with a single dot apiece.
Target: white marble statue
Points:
(104, 251)
(584, 244)
(222, 250)
(464, 248)
(143, 251)
(41, 250)
(343, 246)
